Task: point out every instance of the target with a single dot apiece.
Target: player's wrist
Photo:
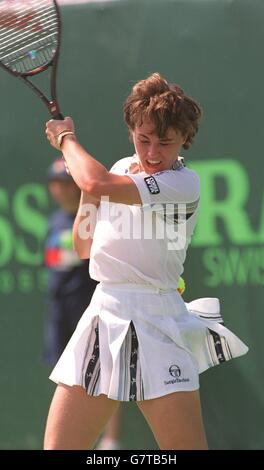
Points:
(67, 134)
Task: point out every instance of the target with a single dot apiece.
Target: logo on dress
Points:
(175, 371)
(152, 185)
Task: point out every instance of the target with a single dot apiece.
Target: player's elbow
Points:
(96, 188)
(87, 185)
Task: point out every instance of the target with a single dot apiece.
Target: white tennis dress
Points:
(138, 339)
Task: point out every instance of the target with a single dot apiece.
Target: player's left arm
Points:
(84, 226)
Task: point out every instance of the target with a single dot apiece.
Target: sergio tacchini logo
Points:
(175, 371)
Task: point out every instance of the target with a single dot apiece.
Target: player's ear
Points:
(184, 139)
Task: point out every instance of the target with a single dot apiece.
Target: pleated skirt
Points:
(137, 343)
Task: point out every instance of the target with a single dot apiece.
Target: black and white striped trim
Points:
(218, 347)
(130, 383)
(130, 387)
(174, 212)
(91, 364)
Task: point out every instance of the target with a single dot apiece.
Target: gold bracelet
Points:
(61, 135)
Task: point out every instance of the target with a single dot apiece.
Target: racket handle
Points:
(55, 111)
(58, 116)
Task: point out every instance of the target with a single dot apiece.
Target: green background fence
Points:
(213, 48)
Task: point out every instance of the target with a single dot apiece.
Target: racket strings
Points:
(28, 34)
(20, 23)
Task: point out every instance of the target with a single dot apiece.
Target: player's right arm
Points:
(84, 225)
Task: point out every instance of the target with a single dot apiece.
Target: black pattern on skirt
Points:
(133, 364)
(222, 356)
(92, 363)
(130, 380)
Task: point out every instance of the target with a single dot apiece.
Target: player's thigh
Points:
(176, 420)
(76, 419)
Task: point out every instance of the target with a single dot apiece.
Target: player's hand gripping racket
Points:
(30, 43)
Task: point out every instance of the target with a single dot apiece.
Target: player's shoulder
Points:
(122, 165)
(191, 174)
(179, 170)
(179, 177)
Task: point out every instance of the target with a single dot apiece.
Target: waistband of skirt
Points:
(134, 287)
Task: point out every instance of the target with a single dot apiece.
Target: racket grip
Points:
(58, 116)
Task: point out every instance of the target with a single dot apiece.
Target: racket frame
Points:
(51, 104)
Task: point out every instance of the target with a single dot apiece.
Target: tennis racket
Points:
(30, 32)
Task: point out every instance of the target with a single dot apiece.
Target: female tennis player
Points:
(138, 340)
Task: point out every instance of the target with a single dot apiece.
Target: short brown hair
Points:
(166, 105)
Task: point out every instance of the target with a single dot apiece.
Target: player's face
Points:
(155, 153)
